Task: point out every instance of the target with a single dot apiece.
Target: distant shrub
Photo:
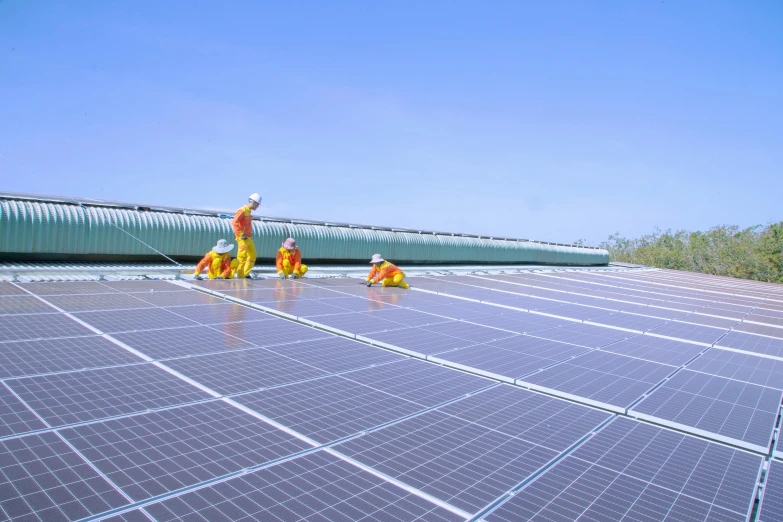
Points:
(751, 253)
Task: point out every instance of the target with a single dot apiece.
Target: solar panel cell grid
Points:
(67, 288)
(458, 462)
(84, 303)
(317, 487)
(243, 370)
(706, 320)
(22, 358)
(190, 297)
(115, 321)
(181, 342)
(769, 331)
(630, 321)
(602, 377)
(740, 411)
(497, 361)
(335, 354)
(419, 340)
(159, 452)
(268, 333)
(752, 343)
(656, 349)
(586, 335)
(634, 471)
(330, 408)
(219, 313)
(67, 398)
(39, 326)
(135, 287)
(43, 479)
(741, 367)
(23, 304)
(410, 318)
(9, 289)
(772, 502)
(775, 321)
(15, 417)
(690, 332)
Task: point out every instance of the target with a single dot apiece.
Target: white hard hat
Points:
(376, 258)
(255, 196)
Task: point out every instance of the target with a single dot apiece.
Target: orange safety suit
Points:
(288, 263)
(217, 265)
(246, 252)
(387, 274)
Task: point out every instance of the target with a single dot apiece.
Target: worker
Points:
(218, 262)
(243, 229)
(385, 273)
(289, 260)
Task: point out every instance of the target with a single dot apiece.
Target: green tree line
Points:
(750, 253)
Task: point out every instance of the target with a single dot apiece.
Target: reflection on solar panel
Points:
(117, 409)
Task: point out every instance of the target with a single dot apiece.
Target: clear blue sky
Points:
(548, 120)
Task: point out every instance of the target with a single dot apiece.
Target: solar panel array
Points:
(592, 395)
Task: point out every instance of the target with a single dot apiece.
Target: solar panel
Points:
(67, 398)
(740, 367)
(604, 379)
(20, 358)
(24, 304)
(705, 335)
(219, 313)
(318, 487)
(268, 333)
(769, 331)
(244, 370)
(467, 463)
(137, 515)
(135, 287)
(39, 326)
(420, 341)
(163, 451)
(177, 298)
(67, 288)
(629, 321)
(181, 342)
(9, 289)
(15, 417)
(635, 471)
(84, 303)
(771, 508)
(757, 344)
(776, 321)
(708, 320)
(43, 479)
(335, 354)
(655, 349)
(723, 409)
(115, 321)
(408, 318)
(585, 335)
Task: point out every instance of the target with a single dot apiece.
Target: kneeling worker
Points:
(218, 262)
(385, 273)
(289, 261)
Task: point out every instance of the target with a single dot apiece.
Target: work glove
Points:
(197, 277)
(219, 277)
(294, 276)
(368, 283)
(281, 275)
(243, 236)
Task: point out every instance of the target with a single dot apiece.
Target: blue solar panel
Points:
(717, 407)
(634, 471)
(771, 509)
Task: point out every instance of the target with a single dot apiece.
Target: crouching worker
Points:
(385, 273)
(289, 261)
(218, 262)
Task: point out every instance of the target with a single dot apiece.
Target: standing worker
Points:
(289, 260)
(385, 273)
(218, 262)
(243, 228)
